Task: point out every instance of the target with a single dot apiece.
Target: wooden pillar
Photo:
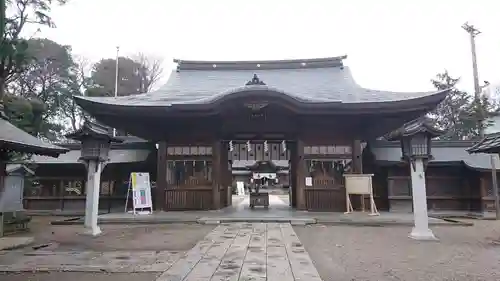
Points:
(161, 177)
(224, 175)
(483, 189)
(292, 180)
(216, 174)
(300, 174)
(357, 165)
(3, 173)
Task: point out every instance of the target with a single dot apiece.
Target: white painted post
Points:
(92, 198)
(421, 229)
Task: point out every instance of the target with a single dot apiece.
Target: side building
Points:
(456, 180)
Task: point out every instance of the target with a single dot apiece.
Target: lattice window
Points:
(189, 150)
(444, 187)
(399, 186)
(189, 173)
(73, 188)
(327, 150)
(46, 187)
(326, 173)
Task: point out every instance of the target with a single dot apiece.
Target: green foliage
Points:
(459, 112)
(26, 113)
(136, 75)
(46, 78)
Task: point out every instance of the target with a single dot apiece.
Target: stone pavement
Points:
(238, 251)
(243, 252)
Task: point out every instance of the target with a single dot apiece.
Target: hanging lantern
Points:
(231, 146)
(266, 147)
(249, 148)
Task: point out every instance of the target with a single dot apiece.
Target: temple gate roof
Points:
(324, 82)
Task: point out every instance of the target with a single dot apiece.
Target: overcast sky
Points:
(391, 44)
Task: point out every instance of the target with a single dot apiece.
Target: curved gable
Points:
(307, 83)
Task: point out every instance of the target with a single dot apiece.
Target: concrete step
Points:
(221, 220)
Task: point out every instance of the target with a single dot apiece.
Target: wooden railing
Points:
(325, 194)
(178, 199)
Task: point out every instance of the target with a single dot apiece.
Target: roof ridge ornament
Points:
(255, 81)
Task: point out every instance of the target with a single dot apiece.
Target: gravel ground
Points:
(347, 253)
(167, 237)
(78, 276)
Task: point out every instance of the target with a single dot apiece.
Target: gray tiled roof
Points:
(422, 125)
(115, 156)
(441, 154)
(324, 84)
(94, 130)
(489, 144)
(14, 138)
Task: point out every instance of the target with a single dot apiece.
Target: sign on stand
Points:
(139, 187)
(359, 184)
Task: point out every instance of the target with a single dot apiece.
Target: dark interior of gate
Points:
(252, 158)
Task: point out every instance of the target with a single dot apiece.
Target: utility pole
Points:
(116, 79)
(473, 32)
(3, 7)
(2, 19)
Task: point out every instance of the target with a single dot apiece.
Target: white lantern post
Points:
(415, 138)
(95, 146)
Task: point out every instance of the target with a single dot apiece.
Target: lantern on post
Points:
(95, 145)
(415, 138)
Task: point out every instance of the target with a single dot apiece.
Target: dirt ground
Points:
(166, 237)
(169, 237)
(79, 276)
(347, 253)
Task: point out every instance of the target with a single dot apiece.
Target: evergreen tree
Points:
(459, 112)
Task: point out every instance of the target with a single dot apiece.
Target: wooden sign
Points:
(359, 184)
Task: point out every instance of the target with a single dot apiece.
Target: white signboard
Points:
(309, 181)
(140, 186)
(359, 184)
(240, 188)
(270, 176)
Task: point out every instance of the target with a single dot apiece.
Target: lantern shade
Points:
(415, 137)
(95, 140)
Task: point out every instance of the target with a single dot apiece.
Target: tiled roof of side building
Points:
(13, 138)
(442, 152)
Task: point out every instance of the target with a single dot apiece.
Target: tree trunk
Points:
(2, 89)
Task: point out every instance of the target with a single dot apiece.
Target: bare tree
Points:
(149, 72)
(77, 86)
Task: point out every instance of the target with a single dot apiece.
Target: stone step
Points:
(223, 220)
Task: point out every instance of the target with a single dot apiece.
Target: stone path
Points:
(244, 252)
(231, 252)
